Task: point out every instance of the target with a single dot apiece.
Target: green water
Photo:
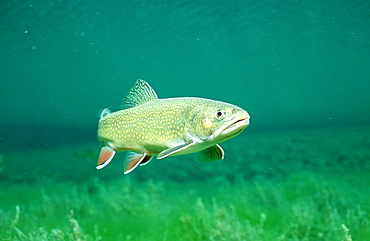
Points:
(298, 172)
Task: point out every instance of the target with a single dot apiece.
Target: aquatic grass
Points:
(74, 233)
(246, 210)
(218, 223)
(326, 213)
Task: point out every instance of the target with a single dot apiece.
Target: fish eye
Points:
(220, 114)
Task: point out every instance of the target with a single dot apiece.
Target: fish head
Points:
(216, 121)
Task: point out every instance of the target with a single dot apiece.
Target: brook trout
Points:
(148, 126)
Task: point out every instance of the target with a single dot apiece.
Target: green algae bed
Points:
(281, 185)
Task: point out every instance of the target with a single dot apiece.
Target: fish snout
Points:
(244, 118)
(235, 127)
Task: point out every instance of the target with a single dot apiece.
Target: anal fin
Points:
(133, 159)
(105, 156)
(146, 160)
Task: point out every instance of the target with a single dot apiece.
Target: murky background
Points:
(289, 63)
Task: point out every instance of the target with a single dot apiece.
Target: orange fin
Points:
(133, 159)
(105, 156)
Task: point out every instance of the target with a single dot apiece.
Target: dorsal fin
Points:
(139, 94)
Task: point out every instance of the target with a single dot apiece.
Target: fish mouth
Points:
(236, 127)
(233, 129)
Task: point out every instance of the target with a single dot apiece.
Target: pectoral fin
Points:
(105, 156)
(173, 150)
(213, 153)
(133, 159)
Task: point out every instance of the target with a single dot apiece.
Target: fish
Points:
(148, 127)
